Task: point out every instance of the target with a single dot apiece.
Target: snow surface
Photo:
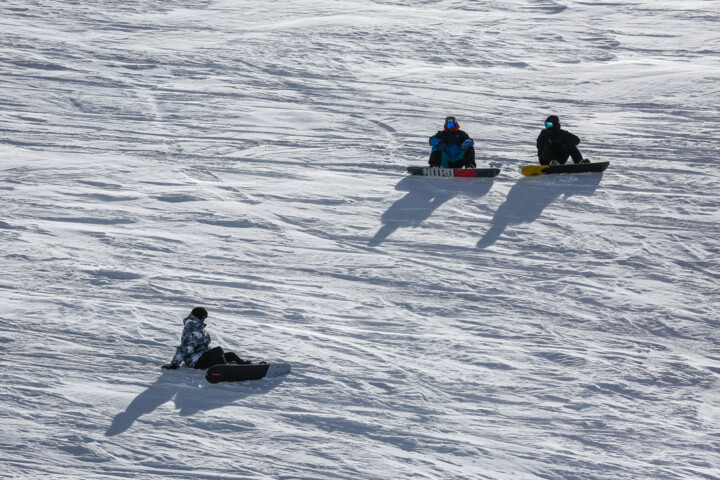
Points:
(250, 158)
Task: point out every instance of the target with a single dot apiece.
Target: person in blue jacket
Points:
(452, 147)
(194, 347)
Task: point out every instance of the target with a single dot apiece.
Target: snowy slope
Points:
(250, 158)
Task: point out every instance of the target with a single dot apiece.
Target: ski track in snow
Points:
(155, 156)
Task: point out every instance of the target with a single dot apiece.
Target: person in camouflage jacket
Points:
(195, 349)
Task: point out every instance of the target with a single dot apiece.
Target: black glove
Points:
(263, 363)
(245, 362)
(169, 366)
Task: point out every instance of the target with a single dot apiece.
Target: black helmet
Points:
(199, 312)
(552, 122)
(451, 124)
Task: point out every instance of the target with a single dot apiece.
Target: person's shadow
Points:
(530, 195)
(191, 393)
(424, 196)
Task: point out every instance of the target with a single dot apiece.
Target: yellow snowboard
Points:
(531, 170)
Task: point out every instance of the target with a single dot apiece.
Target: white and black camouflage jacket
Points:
(193, 343)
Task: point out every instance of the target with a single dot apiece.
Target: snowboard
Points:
(453, 172)
(531, 170)
(240, 373)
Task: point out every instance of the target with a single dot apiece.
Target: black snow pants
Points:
(561, 154)
(217, 356)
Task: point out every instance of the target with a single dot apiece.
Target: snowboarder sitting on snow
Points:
(194, 349)
(451, 147)
(555, 145)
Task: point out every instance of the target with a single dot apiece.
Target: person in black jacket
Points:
(555, 145)
(451, 147)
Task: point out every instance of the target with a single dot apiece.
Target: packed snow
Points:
(250, 158)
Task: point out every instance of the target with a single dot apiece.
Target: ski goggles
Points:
(450, 125)
(548, 124)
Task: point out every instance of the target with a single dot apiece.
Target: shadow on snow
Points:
(191, 393)
(531, 195)
(424, 196)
